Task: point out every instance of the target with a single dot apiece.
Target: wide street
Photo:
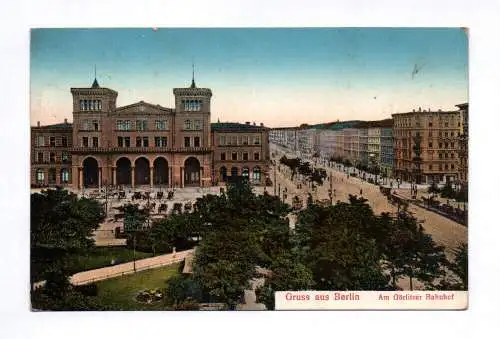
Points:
(443, 230)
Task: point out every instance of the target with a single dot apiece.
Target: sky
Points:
(277, 76)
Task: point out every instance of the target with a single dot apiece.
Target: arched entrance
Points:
(142, 171)
(256, 174)
(234, 172)
(245, 173)
(123, 172)
(191, 172)
(223, 174)
(90, 172)
(160, 171)
(64, 176)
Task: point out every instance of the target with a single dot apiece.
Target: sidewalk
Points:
(87, 277)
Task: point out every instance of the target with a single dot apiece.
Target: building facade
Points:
(137, 145)
(463, 140)
(437, 134)
(241, 150)
(50, 156)
(386, 151)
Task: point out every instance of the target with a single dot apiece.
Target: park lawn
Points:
(99, 257)
(119, 293)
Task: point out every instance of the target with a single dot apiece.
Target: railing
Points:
(151, 149)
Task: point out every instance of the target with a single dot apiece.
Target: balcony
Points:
(152, 149)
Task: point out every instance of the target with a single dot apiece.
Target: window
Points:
(120, 141)
(85, 142)
(40, 157)
(52, 175)
(196, 141)
(452, 155)
(157, 141)
(245, 156)
(40, 176)
(40, 140)
(446, 134)
(127, 141)
(222, 140)
(445, 145)
(245, 139)
(191, 105)
(234, 140)
(440, 145)
(451, 134)
(187, 142)
(452, 166)
(440, 155)
(99, 103)
(95, 124)
(459, 124)
(52, 141)
(256, 156)
(440, 134)
(234, 156)
(445, 124)
(95, 142)
(141, 125)
(86, 125)
(197, 124)
(223, 156)
(452, 145)
(430, 125)
(138, 141)
(446, 155)
(65, 157)
(430, 167)
(164, 142)
(123, 125)
(52, 158)
(145, 141)
(64, 141)
(440, 167)
(445, 166)
(64, 176)
(161, 125)
(187, 124)
(257, 140)
(256, 174)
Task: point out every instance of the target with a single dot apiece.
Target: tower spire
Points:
(95, 84)
(193, 85)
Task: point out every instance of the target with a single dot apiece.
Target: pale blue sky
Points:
(280, 77)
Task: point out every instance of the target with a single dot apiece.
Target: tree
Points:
(335, 243)
(181, 288)
(287, 274)
(60, 223)
(459, 269)
(59, 219)
(411, 252)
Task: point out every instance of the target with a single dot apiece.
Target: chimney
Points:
(414, 110)
(247, 122)
(38, 124)
(65, 120)
(420, 109)
(254, 123)
(261, 124)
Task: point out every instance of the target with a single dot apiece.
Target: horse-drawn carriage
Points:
(162, 208)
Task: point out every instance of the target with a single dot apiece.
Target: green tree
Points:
(287, 274)
(181, 288)
(60, 223)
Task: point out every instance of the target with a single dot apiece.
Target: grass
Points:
(101, 257)
(119, 293)
(96, 257)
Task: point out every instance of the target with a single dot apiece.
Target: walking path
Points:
(87, 277)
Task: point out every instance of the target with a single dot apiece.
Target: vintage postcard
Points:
(249, 169)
